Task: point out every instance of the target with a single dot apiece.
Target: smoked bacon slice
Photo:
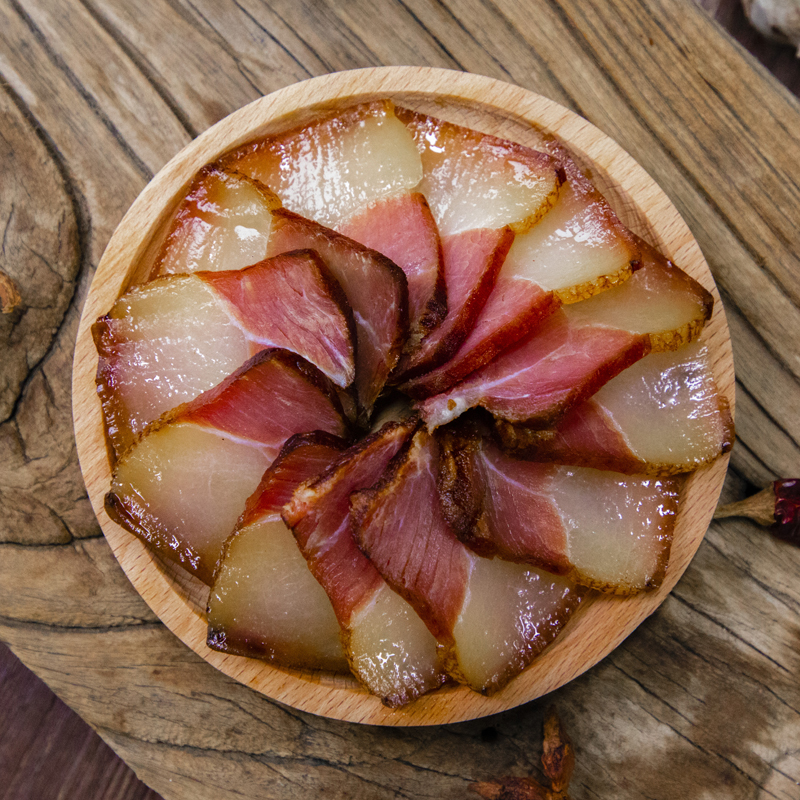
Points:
(223, 223)
(481, 189)
(402, 228)
(336, 166)
(493, 618)
(264, 602)
(183, 486)
(376, 290)
(601, 529)
(473, 181)
(167, 341)
(388, 647)
(581, 347)
(472, 261)
(354, 171)
(661, 416)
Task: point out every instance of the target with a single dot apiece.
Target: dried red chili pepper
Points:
(777, 506)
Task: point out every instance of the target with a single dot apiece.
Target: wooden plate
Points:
(487, 105)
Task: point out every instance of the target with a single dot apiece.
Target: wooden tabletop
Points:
(703, 699)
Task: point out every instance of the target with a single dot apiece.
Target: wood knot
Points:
(10, 298)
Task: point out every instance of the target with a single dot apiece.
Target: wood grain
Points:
(702, 700)
(483, 104)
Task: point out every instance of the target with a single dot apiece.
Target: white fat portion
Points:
(191, 484)
(619, 528)
(337, 167)
(228, 228)
(509, 615)
(572, 245)
(175, 340)
(469, 186)
(391, 650)
(650, 302)
(266, 602)
(666, 407)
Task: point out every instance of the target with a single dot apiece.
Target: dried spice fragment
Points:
(558, 759)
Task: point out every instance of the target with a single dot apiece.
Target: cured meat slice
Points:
(167, 341)
(491, 617)
(376, 290)
(264, 602)
(661, 416)
(660, 301)
(183, 486)
(540, 379)
(402, 229)
(336, 166)
(578, 249)
(389, 648)
(602, 529)
(223, 223)
(472, 180)
(581, 347)
(472, 261)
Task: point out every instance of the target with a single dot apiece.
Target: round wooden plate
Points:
(487, 105)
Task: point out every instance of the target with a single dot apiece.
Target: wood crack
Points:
(767, 414)
(273, 39)
(433, 36)
(574, 104)
(88, 98)
(83, 230)
(737, 637)
(142, 67)
(220, 41)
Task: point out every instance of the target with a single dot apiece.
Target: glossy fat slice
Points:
(581, 347)
(183, 486)
(335, 167)
(164, 343)
(223, 223)
(376, 290)
(472, 261)
(402, 229)
(661, 416)
(492, 618)
(472, 180)
(602, 529)
(578, 249)
(389, 648)
(264, 601)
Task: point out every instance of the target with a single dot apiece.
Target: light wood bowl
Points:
(487, 105)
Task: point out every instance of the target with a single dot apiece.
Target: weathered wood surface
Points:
(703, 699)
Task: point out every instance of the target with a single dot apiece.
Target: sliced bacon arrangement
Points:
(382, 268)
(264, 602)
(167, 341)
(581, 347)
(491, 618)
(184, 485)
(388, 646)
